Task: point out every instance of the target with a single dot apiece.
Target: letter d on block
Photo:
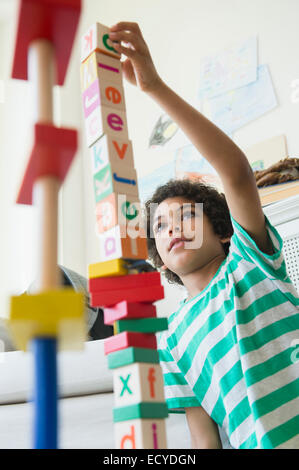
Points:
(129, 437)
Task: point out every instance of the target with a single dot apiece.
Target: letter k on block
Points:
(125, 385)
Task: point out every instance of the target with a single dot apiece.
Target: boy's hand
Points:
(138, 68)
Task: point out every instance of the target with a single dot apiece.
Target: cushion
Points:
(80, 373)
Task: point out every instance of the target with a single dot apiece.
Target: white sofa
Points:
(85, 407)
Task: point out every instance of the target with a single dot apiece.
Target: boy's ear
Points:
(163, 267)
(224, 240)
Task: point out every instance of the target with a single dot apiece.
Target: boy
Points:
(227, 355)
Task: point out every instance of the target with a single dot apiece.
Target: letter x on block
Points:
(54, 20)
(53, 151)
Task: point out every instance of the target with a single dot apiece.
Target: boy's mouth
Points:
(176, 242)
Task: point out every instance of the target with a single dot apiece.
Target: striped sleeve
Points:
(178, 393)
(274, 265)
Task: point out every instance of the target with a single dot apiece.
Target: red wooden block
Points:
(126, 309)
(141, 294)
(55, 20)
(53, 151)
(127, 339)
(124, 282)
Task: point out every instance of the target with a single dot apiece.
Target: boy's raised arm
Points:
(222, 153)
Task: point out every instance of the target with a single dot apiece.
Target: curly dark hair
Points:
(214, 206)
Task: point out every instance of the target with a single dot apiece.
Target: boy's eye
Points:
(188, 215)
(159, 227)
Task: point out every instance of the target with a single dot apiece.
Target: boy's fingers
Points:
(127, 51)
(127, 37)
(126, 25)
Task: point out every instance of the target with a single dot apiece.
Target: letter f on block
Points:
(151, 379)
(125, 385)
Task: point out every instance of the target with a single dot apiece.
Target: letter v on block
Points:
(113, 151)
(120, 151)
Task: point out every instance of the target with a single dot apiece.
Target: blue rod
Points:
(45, 395)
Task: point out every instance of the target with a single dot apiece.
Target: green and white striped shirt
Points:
(230, 349)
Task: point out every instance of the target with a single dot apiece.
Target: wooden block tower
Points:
(127, 298)
(52, 317)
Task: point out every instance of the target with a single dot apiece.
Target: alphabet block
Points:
(131, 281)
(127, 309)
(57, 313)
(141, 294)
(140, 410)
(108, 150)
(97, 39)
(52, 153)
(138, 382)
(115, 179)
(106, 120)
(127, 339)
(140, 434)
(100, 66)
(115, 267)
(118, 209)
(143, 325)
(130, 355)
(101, 93)
(123, 242)
(46, 19)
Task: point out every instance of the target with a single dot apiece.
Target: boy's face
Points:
(184, 236)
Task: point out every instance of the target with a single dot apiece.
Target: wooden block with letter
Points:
(130, 355)
(118, 209)
(102, 67)
(140, 434)
(138, 382)
(109, 150)
(127, 339)
(123, 242)
(101, 93)
(115, 179)
(97, 39)
(105, 120)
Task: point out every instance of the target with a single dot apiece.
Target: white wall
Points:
(179, 34)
